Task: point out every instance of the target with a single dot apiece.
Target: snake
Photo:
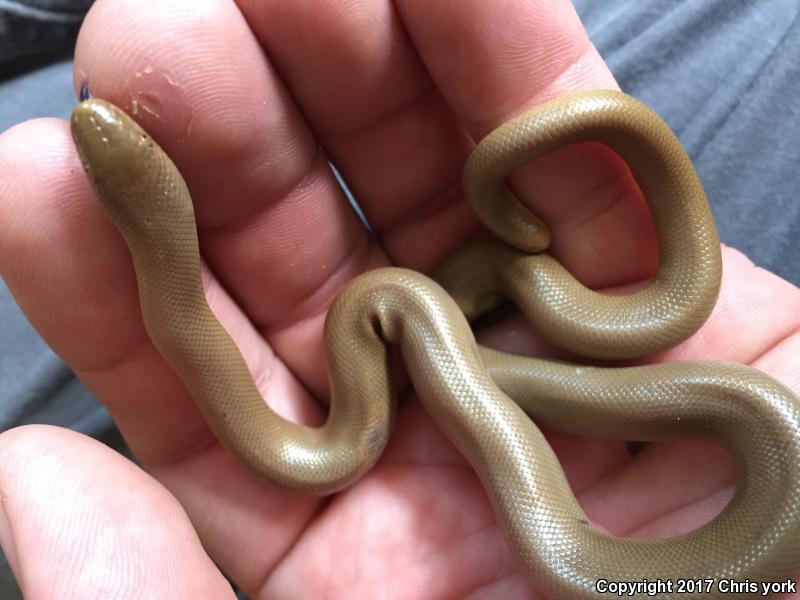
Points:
(491, 404)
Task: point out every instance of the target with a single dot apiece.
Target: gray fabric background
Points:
(723, 73)
(31, 31)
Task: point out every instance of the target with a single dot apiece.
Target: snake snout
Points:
(107, 139)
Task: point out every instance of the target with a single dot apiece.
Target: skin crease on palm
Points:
(423, 79)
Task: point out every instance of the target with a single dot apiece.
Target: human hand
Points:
(393, 94)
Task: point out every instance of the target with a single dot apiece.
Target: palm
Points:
(393, 98)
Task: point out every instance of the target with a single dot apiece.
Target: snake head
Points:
(134, 179)
(111, 144)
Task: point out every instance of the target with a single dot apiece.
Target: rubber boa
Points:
(486, 401)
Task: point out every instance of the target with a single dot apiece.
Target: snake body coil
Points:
(468, 389)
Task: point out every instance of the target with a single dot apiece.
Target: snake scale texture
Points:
(484, 400)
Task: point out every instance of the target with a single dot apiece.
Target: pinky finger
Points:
(80, 521)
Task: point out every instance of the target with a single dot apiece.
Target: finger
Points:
(274, 225)
(493, 60)
(64, 264)
(80, 521)
(374, 108)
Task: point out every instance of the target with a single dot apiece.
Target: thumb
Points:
(80, 521)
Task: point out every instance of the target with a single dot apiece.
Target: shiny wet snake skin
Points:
(479, 397)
